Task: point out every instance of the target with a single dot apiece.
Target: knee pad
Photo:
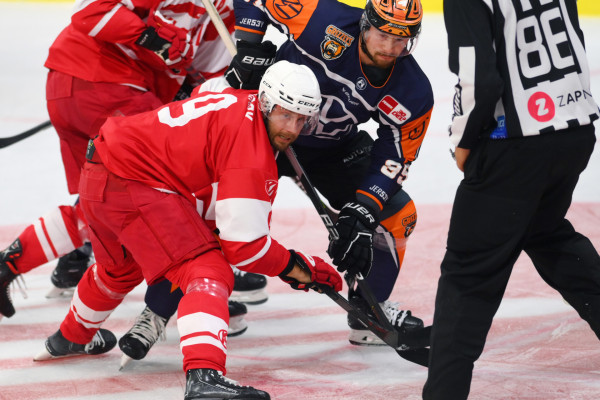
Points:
(208, 286)
(399, 216)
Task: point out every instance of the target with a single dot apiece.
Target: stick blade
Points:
(417, 356)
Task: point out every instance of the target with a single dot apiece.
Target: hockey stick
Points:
(7, 141)
(416, 341)
(419, 355)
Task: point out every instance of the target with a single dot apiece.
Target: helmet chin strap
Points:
(363, 47)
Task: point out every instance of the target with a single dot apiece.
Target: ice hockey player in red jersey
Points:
(362, 59)
(156, 188)
(114, 58)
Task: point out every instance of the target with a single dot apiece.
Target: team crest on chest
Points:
(335, 43)
(270, 187)
(394, 110)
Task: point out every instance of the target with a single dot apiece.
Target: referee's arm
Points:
(472, 57)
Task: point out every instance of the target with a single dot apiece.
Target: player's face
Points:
(283, 127)
(381, 49)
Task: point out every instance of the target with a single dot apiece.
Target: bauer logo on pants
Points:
(394, 110)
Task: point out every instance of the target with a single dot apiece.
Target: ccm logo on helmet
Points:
(257, 61)
(308, 104)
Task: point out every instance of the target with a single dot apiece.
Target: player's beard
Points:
(376, 63)
(277, 139)
(280, 141)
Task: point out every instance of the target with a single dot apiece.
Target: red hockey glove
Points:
(318, 270)
(169, 45)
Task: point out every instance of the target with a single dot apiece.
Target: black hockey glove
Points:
(249, 64)
(353, 251)
(184, 91)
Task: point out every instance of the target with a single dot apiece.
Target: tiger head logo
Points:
(331, 49)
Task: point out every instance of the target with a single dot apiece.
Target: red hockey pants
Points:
(138, 232)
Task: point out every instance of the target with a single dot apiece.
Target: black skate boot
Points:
(402, 320)
(8, 273)
(69, 270)
(248, 287)
(206, 383)
(57, 346)
(237, 323)
(147, 329)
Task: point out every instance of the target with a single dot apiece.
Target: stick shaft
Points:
(7, 141)
(220, 25)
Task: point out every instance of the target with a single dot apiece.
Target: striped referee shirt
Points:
(521, 68)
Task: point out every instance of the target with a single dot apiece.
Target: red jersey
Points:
(214, 150)
(99, 44)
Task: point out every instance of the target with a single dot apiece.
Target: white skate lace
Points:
(230, 381)
(20, 282)
(238, 272)
(148, 328)
(395, 315)
(97, 340)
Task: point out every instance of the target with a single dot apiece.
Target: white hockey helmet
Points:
(293, 87)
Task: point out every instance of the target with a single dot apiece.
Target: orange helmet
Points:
(396, 17)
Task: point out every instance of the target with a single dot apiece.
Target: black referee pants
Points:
(514, 197)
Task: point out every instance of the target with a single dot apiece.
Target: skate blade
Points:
(44, 355)
(55, 293)
(125, 359)
(237, 326)
(252, 297)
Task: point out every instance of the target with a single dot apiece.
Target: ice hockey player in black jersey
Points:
(362, 59)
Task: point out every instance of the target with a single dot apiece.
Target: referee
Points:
(522, 127)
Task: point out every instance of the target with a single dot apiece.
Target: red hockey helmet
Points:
(396, 17)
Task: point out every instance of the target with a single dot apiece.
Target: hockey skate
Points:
(402, 320)
(237, 323)
(149, 327)
(206, 383)
(69, 270)
(8, 273)
(57, 346)
(248, 287)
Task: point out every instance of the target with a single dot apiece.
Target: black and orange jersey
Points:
(324, 35)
